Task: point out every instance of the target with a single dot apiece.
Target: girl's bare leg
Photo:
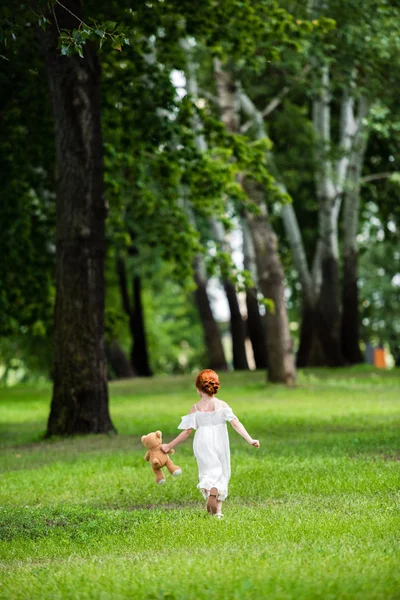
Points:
(219, 507)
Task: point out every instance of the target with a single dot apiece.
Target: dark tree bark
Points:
(238, 329)
(134, 311)
(140, 356)
(120, 365)
(281, 364)
(80, 395)
(256, 330)
(350, 316)
(307, 334)
(328, 313)
(212, 337)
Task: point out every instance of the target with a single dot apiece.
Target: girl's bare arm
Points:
(237, 426)
(182, 437)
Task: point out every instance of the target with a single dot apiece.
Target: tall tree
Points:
(237, 326)
(281, 365)
(80, 395)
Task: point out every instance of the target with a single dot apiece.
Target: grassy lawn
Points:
(313, 514)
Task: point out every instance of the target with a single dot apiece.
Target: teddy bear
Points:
(157, 458)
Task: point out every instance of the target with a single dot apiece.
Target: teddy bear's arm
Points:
(147, 455)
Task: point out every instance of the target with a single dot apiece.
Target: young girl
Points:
(211, 443)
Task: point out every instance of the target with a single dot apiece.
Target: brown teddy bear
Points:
(157, 458)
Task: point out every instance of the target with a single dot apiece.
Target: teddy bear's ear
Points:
(158, 434)
(143, 438)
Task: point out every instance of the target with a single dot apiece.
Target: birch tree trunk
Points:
(281, 365)
(237, 327)
(328, 305)
(255, 325)
(308, 332)
(212, 337)
(80, 395)
(350, 317)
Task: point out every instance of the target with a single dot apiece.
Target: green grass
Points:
(313, 514)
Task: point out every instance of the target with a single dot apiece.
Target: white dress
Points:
(211, 447)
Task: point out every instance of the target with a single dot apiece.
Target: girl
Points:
(211, 443)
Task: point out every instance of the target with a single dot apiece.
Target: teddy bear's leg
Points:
(173, 469)
(159, 476)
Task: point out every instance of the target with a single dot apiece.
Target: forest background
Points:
(231, 202)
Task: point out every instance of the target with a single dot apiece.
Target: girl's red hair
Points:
(207, 381)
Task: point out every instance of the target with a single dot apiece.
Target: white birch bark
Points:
(288, 213)
(281, 365)
(249, 255)
(218, 231)
(324, 175)
(352, 191)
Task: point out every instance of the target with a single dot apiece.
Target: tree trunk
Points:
(139, 348)
(118, 361)
(351, 318)
(328, 313)
(350, 334)
(134, 312)
(256, 330)
(307, 335)
(238, 329)
(281, 365)
(255, 325)
(80, 395)
(329, 197)
(237, 325)
(212, 337)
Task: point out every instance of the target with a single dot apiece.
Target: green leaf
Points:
(111, 25)
(65, 50)
(269, 305)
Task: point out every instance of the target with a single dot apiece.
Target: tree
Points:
(80, 395)
(281, 367)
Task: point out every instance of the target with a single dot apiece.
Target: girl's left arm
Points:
(182, 437)
(237, 426)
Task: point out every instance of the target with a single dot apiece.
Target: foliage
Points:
(82, 517)
(173, 332)
(380, 282)
(27, 211)
(152, 164)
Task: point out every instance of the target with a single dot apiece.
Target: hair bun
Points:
(207, 381)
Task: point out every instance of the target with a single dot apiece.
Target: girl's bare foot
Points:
(212, 501)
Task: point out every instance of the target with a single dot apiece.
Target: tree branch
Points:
(275, 102)
(209, 96)
(377, 176)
